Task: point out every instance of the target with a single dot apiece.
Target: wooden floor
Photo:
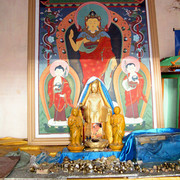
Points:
(13, 144)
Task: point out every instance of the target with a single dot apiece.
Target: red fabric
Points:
(7, 164)
(96, 62)
(135, 94)
(54, 98)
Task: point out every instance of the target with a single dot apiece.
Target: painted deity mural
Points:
(103, 39)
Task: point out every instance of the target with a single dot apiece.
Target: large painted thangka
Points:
(81, 39)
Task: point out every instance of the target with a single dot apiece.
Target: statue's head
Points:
(95, 86)
(117, 110)
(75, 111)
(93, 22)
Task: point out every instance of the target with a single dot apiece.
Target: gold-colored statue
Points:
(96, 112)
(118, 125)
(108, 130)
(75, 124)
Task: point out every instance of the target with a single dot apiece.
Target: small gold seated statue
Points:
(118, 125)
(75, 124)
(96, 111)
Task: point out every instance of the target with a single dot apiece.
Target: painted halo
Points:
(86, 8)
(127, 60)
(56, 63)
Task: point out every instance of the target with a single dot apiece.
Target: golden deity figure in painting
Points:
(75, 124)
(118, 125)
(96, 111)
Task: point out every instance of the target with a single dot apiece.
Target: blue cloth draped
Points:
(105, 91)
(165, 150)
(129, 150)
(86, 155)
(43, 157)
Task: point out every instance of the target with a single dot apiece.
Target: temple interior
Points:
(90, 89)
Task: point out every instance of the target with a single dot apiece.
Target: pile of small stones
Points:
(45, 168)
(165, 167)
(112, 165)
(100, 166)
(105, 165)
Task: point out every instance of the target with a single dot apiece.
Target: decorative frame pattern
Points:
(157, 92)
